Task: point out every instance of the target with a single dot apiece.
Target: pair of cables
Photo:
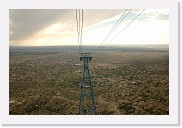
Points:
(120, 20)
(79, 21)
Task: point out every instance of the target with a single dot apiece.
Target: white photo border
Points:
(171, 119)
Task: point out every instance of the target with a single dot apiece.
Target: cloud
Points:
(147, 15)
(153, 14)
(26, 22)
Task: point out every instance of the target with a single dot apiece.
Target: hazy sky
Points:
(32, 27)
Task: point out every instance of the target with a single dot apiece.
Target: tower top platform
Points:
(85, 56)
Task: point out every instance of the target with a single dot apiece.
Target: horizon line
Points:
(86, 45)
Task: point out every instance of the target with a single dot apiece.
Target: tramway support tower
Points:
(87, 103)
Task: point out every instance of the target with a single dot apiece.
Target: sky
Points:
(49, 27)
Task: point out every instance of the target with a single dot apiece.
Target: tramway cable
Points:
(115, 26)
(125, 27)
(79, 21)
